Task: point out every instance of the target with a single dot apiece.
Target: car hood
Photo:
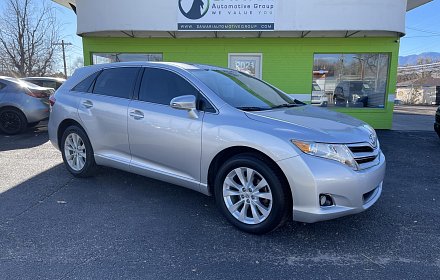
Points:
(309, 123)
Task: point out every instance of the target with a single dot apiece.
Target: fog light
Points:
(325, 200)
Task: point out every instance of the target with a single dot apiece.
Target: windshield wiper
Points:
(252, 108)
(287, 105)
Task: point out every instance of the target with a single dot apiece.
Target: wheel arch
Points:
(63, 126)
(230, 152)
(14, 108)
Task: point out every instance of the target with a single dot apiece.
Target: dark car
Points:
(352, 93)
(437, 122)
(47, 82)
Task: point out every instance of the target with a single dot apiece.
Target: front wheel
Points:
(251, 195)
(77, 152)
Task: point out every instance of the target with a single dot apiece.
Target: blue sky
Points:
(422, 30)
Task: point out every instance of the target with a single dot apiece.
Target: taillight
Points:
(52, 100)
(37, 93)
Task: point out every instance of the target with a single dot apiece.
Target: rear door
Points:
(103, 111)
(164, 140)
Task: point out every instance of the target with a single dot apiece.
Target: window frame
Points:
(387, 92)
(92, 84)
(130, 97)
(199, 91)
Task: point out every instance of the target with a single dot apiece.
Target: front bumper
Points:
(352, 191)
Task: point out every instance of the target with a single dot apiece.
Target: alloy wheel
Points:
(75, 151)
(247, 195)
(10, 122)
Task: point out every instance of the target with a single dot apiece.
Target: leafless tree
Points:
(28, 33)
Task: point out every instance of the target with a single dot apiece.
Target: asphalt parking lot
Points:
(123, 226)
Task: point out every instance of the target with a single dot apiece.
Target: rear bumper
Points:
(36, 109)
(351, 191)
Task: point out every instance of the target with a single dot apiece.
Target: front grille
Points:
(365, 155)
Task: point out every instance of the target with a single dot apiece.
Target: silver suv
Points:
(263, 156)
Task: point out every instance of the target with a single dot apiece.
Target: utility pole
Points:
(63, 44)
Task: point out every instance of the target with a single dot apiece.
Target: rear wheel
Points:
(77, 152)
(251, 194)
(12, 121)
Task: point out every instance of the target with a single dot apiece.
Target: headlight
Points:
(335, 152)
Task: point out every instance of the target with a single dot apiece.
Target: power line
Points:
(423, 30)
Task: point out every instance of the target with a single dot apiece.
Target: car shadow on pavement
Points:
(30, 138)
(120, 225)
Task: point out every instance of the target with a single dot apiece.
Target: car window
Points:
(2, 86)
(86, 84)
(316, 87)
(160, 86)
(243, 91)
(116, 82)
(204, 105)
(35, 82)
(50, 84)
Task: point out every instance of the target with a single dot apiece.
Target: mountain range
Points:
(413, 59)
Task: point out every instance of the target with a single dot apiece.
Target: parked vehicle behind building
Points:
(48, 82)
(22, 105)
(263, 155)
(318, 95)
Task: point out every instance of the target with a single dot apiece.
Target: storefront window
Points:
(99, 58)
(350, 80)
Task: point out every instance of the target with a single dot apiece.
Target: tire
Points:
(270, 198)
(12, 121)
(77, 152)
(34, 124)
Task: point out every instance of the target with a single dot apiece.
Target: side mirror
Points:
(185, 102)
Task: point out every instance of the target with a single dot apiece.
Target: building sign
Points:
(226, 15)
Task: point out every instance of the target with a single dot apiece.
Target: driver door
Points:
(164, 142)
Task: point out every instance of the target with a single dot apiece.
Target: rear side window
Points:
(35, 82)
(87, 83)
(2, 86)
(160, 86)
(50, 84)
(116, 82)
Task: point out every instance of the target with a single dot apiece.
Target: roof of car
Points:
(20, 82)
(181, 65)
(44, 78)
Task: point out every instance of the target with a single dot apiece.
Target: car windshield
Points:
(244, 91)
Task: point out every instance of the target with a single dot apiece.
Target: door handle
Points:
(136, 114)
(87, 104)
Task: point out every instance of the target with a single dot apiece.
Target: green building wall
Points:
(287, 62)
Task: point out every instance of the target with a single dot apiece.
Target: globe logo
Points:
(194, 9)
